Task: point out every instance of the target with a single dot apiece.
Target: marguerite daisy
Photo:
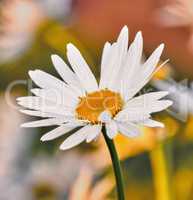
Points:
(79, 101)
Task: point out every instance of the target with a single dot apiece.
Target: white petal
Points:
(96, 130)
(147, 103)
(151, 96)
(145, 99)
(132, 115)
(152, 123)
(132, 65)
(33, 102)
(144, 109)
(105, 56)
(160, 105)
(113, 60)
(104, 65)
(105, 116)
(122, 45)
(77, 137)
(110, 65)
(144, 74)
(61, 130)
(137, 49)
(129, 129)
(40, 113)
(66, 73)
(47, 81)
(111, 128)
(148, 69)
(54, 95)
(81, 69)
(151, 63)
(134, 55)
(44, 105)
(44, 123)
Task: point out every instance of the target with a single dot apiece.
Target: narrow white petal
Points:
(66, 73)
(138, 48)
(61, 130)
(54, 95)
(158, 95)
(110, 65)
(148, 98)
(44, 123)
(34, 102)
(159, 67)
(112, 129)
(160, 105)
(144, 109)
(122, 45)
(144, 74)
(104, 65)
(151, 96)
(112, 60)
(77, 137)
(132, 65)
(47, 81)
(151, 63)
(96, 130)
(49, 94)
(132, 115)
(43, 105)
(105, 56)
(147, 103)
(135, 54)
(40, 113)
(81, 69)
(105, 116)
(129, 129)
(152, 123)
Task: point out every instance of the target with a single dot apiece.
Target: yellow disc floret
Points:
(93, 104)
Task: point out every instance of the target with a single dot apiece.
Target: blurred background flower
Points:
(178, 13)
(20, 20)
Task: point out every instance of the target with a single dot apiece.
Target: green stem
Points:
(116, 165)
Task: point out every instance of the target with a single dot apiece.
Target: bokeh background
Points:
(158, 165)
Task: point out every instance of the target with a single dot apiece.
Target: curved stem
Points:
(116, 165)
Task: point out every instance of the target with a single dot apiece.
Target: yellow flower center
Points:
(93, 104)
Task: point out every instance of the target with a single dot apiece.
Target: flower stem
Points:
(116, 165)
(160, 170)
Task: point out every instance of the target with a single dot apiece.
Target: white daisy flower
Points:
(181, 96)
(79, 101)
